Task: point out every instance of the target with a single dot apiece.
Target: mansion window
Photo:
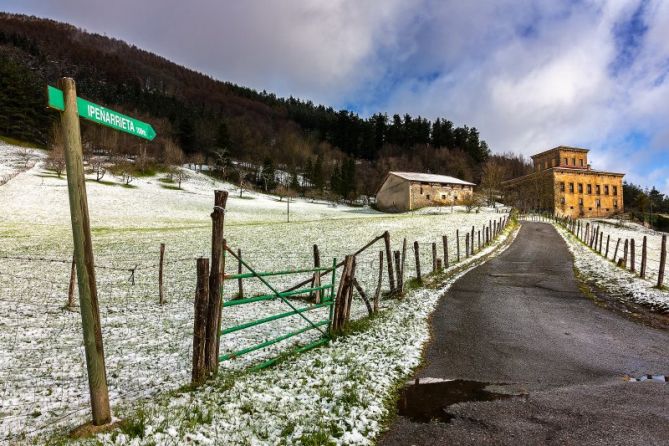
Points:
(606, 190)
(573, 161)
(580, 188)
(598, 189)
(581, 162)
(580, 202)
(566, 161)
(589, 186)
(571, 188)
(598, 203)
(562, 186)
(615, 190)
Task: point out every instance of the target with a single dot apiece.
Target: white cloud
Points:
(528, 74)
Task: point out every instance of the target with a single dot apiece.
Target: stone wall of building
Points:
(433, 194)
(588, 193)
(393, 196)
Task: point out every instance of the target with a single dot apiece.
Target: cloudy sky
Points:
(529, 75)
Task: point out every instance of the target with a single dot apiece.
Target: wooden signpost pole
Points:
(83, 254)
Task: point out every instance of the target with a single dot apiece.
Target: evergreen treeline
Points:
(214, 119)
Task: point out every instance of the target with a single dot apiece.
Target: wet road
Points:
(519, 321)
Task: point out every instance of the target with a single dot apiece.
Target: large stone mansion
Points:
(564, 184)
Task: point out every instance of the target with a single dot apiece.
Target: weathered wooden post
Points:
(601, 239)
(240, 281)
(471, 240)
(608, 239)
(417, 253)
(404, 257)
(391, 276)
(663, 262)
(467, 245)
(83, 254)
(316, 282)
(615, 253)
(457, 244)
(625, 253)
(642, 273)
(199, 372)
(161, 290)
(377, 294)
(478, 233)
(632, 256)
(444, 240)
(215, 282)
(434, 257)
(398, 268)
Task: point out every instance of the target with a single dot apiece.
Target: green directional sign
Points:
(102, 115)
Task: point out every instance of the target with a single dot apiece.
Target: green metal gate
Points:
(327, 292)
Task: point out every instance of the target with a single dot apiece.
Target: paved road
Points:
(520, 321)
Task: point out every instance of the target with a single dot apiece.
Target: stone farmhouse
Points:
(564, 184)
(406, 191)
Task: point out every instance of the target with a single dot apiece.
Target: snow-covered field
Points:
(620, 283)
(147, 346)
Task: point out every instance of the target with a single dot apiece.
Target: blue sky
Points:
(529, 75)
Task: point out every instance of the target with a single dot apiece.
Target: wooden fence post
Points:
(478, 233)
(215, 282)
(444, 240)
(161, 290)
(601, 239)
(363, 295)
(316, 282)
(400, 273)
(457, 244)
(625, 253)
(608, 239)
(434, 257)
(83, 253)
(615, 253)
(377, 294)
(391, 277)
(404, 257)
(417, 254)
(240, 282)
(663, 261)
(471, 240)
(199, 373)
(467, 245)
(344, 293)
(70, 288)
(643, 258)
(632, 256)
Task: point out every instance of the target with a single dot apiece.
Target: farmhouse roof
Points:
(430, 178)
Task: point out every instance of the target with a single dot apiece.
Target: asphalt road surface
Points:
(520, 323)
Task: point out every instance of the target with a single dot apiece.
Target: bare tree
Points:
(472, 201)
(493, 174)
(180, 176)
(26, 155)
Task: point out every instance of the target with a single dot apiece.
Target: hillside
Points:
(215, 119)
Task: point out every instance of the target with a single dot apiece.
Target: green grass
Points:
(166, 180)
(164, 186)
(103, 182)
(129, 186)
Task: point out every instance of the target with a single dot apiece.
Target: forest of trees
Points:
(336, 151)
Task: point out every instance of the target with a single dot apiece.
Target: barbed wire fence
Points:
(148, 345)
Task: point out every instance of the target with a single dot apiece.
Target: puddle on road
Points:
(427, 400)
(653, 378)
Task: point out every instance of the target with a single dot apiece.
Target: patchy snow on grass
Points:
(336, 394)
(43, 380)
(618, 282)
